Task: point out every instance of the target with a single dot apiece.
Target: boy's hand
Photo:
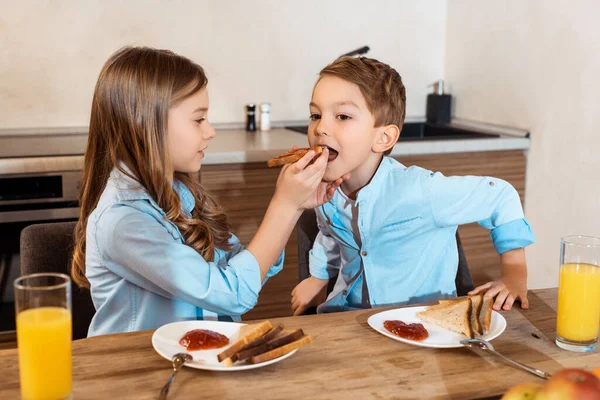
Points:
(309, 293)
(507, 293)
(512, 286)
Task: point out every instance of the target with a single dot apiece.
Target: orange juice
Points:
(44, 340)
(578, 302)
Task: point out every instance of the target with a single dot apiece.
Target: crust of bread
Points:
(292, 156)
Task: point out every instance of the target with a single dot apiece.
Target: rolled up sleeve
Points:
(275, 268)
(512, 235)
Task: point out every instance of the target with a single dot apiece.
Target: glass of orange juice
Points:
(578, 317)
(43, 313)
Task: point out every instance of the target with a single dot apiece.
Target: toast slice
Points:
(248, 334)
(476, 302)
(280, 351)
(284, 338)
(270, 335)
(454, 315)
(485, 315)
(292, 156)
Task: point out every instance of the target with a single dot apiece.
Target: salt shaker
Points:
(265, 117)
(250, 117)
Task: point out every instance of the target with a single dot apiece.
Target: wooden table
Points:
(347, 359)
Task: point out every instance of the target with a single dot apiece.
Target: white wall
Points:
(262, 50)
(536, 65)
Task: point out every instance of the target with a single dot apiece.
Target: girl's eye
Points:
(314, 117)
(344, 117)
(200, 120)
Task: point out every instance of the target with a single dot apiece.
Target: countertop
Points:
(21, 149)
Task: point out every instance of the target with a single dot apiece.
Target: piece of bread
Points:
(248, 334)
(284, 338)
(454, 315)
(280, 351)
(485, 315)
(270, 335)
(476, 302)
(292, 156)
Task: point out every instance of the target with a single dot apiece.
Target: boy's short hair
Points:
(380, 85)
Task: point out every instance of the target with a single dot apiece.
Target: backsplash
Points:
(260, 51)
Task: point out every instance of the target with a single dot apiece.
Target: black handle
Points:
(357, 52)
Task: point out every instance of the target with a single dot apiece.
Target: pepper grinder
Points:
(251, 117)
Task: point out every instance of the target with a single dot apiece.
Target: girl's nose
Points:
(210, 133)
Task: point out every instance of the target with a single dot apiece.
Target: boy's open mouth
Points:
(332, 154)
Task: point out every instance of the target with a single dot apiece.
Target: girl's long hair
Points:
(128, 126)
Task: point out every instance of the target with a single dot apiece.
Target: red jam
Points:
(407, 331)
(203, 339)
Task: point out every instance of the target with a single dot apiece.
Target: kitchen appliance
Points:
(439, 104)
(40, 171)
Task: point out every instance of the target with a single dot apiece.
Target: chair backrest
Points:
(49, 248)
(307, 230)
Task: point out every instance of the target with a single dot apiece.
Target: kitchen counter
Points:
(21, 149)
(236, 146)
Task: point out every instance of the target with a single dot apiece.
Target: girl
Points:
(151, 243)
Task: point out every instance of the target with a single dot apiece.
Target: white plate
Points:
(165, 341)
(438, 336)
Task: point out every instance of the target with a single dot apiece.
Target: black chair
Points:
(307, 230)
(49, 248)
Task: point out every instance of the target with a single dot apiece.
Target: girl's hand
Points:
(299, 184)
(324, 193)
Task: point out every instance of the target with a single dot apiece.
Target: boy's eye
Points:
(200, 120)
(314, 117)
(344, 117)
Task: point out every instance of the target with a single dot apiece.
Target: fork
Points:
(485, 345)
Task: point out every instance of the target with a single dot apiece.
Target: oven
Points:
(40, 173)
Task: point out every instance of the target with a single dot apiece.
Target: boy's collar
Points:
(373, 187)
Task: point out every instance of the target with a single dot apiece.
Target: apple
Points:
(570, 384)
(522, 391)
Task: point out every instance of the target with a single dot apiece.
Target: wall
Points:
(264, 50)
(534, 64)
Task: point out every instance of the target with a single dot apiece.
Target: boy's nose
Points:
(320, 129)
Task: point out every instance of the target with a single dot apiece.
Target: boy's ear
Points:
(386, 138)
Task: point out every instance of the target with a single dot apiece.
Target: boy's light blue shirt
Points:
(143, 276)
(407, 221)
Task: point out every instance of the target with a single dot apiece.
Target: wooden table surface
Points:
(347, 359)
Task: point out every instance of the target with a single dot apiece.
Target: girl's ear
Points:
(386, 138)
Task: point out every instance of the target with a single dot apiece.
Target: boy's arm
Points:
(324, 263)
(513, 284)
(495, 205)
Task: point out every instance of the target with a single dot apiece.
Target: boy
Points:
(389, 231)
